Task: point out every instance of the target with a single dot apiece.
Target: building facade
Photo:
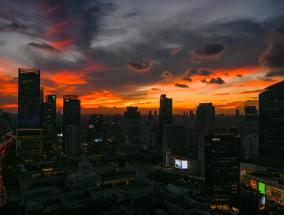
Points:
(165, 116)
(271, 124)
(221, 169)
(71, 115)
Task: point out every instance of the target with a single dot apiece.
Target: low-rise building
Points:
(132, 190)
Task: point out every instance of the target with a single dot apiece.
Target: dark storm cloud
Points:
(273, 56)
(210, 50)
(167, 75)
(138, 67)
(12, 27)
(155, 88)
(216, 81)
(239, 75)
(43, 46)
(187, 79)
(265, 79)
(203, 80)
(192, 72)
(181, 85)
(279, 72)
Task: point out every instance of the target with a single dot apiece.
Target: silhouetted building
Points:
(132, 136)
(95, 129)
(205, 115)
(72, 140)
(271, 123)
(29, 98)
(165, 115)
(237, 112)
(250, 113)
(251, 146)
(221, 169)
(114, 130)
(71, 115)
(174, 143)
(29, 145)
(150, 116)
(41, 95)
(48, 123)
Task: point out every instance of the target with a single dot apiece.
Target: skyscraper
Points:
(221, 169)
(205, 115)
(165, 115)
(271, 124)
(28, 98)
(174, 142)
(250, 113)
(132, 136)
(71, 115)
(48, 123)
(95, 127)
(41, 95)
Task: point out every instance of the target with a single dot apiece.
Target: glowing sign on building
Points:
(261, 187)
(181, 164)
(253, 184)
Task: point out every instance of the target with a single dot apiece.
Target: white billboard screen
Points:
(181, 164)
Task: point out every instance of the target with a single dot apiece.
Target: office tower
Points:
(150, 116)
(95, 127)
(71, 115)
(114, 130)
(221, 169)
(165, 115)
(72, 140)
(132, 135)
(174, 143)
(237, 112)
(251, 146)
(29, 144)
(156, 117)
(250, 113)
(28, 98)
(205, 115)
(41, 95)
(271, 124)
(48, 123)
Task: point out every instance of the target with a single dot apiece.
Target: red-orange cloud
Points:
(138, 67)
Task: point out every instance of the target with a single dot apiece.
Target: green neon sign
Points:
(53, 97)
(261, 187)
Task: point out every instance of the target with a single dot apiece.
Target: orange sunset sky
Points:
(115, 54)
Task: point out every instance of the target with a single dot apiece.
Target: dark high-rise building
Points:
(48, 123)
(250, 113)
(237, 112)
(72, 142)
(29, 98)
(41, 95)
(71, 115)
(174, 143)
(95, 127)
(221, 169)
(205, 115)
(132, 136)
(165, 115)
(29, 144)
(271, 123)
(150, 116)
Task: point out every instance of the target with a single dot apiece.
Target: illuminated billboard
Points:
(181, 164)
(261, 187)
(253, 184)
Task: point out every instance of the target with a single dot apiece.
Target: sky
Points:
(122, 53)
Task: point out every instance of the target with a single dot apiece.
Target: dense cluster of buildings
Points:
(210, 146)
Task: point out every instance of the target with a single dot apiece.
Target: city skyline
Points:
(235, 46)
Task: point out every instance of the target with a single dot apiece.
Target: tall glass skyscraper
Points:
(132, 137)
(71, 115)
(48, 123)
(29, 98)
(165, 115)
(271, 124)
(222, 169)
